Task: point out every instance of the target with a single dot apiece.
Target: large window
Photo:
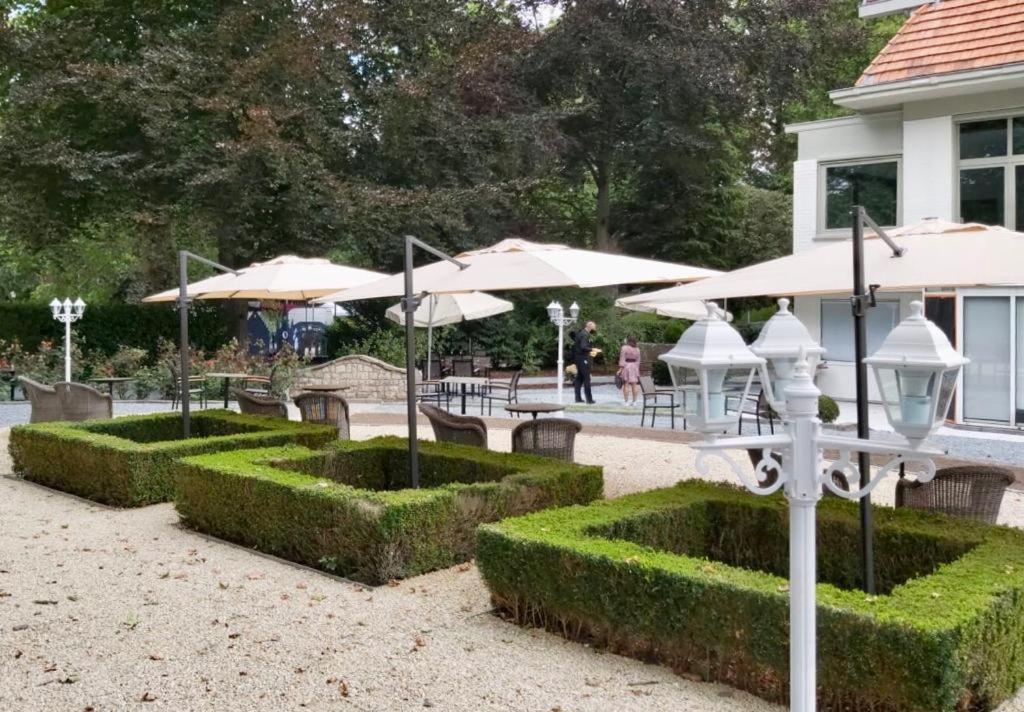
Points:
(871, 184)
(991, 179)
(837, 327)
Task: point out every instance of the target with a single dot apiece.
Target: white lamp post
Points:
(925, 375)
(67, 312)
(559, 319)
(780, 343)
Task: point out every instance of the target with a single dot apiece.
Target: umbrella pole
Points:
(430, 336)
(409, 304)
(861, 301)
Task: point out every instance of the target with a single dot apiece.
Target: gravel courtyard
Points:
(104, 609)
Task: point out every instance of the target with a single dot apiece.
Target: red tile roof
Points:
(951, 36)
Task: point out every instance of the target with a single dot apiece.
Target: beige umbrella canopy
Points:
(285, 278)
(937, 254)
(519, 264)
(692, 309)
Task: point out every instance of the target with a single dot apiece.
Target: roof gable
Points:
(951, 36)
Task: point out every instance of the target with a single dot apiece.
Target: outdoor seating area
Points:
(528, 356)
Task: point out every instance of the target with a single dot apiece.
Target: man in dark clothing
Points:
(581, 354)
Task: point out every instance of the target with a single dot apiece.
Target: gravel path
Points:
(104, 609)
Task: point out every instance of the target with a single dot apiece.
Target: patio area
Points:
(200, 621)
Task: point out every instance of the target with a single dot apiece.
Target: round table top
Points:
(112, 379)
(534, 407)
(228, 375)
(325, 387)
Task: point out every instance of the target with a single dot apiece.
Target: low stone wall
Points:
(367, 378)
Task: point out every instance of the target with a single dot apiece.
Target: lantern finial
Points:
(916, 310)
(784, 306)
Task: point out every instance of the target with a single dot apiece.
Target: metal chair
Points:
(549, 437)
(431, 391)
(46, 406)
(655, 399)
(973, 492)
(259, 405)
(450, 428)
(326, 408)
(196, 388)
(260, 385)
(81, 402)
(504, 391)
(758, 407)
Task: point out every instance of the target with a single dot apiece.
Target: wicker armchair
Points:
(502, 391)
(450, 428)
(81, 402)
(259, 405)
(45, 402)
(326, 408)
(974, 492)
(655, 399)
(550, 437)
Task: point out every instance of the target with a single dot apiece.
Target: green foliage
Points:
(828, 409)
(348, 509)
(129, 461)
(693, 576)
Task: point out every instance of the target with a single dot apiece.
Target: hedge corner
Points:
(694, 577)
(348, 509)
(129, 461)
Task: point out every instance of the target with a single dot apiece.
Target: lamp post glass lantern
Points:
(559, 319)
(780, 343)
(917, 370)
(713, 369)
(67, 312)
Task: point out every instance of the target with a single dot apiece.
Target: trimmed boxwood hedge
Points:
(348, 510)
(693, 576)
(129, 461)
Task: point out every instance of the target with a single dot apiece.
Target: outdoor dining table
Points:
(228, 377)
(534, 409)
(111, 381)
(325, 387)
(462, 382)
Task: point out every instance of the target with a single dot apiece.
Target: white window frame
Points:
(824, 232)
(1007, 162)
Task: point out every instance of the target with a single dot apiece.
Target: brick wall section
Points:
(367, 378)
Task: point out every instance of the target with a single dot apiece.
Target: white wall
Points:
(805, 204)
(929, 166)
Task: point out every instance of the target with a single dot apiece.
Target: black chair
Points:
(504, 391)
(196, 388)
(757, 406)
(655, 399)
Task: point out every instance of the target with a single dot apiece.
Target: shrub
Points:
(828, 409)
(693, 576)
(129, 461)
(348, 509)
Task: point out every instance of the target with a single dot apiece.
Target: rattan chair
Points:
(326, 408)
(81, 402)
(502, 391)
(549, 437)
(655, 399)
(974, 492)
(44, 399)
(451, 428)
(196, 388)
(251, 404)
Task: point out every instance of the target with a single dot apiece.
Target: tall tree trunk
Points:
(603, 235)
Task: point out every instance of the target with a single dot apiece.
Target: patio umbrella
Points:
(442, 309)
(286, 278)
(692, 309)
(938, 254)
(514, 264)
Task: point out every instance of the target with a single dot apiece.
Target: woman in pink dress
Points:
(629, 370)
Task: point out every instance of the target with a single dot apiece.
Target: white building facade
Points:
(948, 145)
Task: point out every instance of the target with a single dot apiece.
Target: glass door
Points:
(988, 343)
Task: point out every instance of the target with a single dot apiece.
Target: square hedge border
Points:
(343, 509)
(947, 635)
(130, 461)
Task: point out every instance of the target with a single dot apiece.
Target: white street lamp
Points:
(924, 375)
(780, 343)
(67, 312)
(708, 357)
(559, 319)
(916, 369)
